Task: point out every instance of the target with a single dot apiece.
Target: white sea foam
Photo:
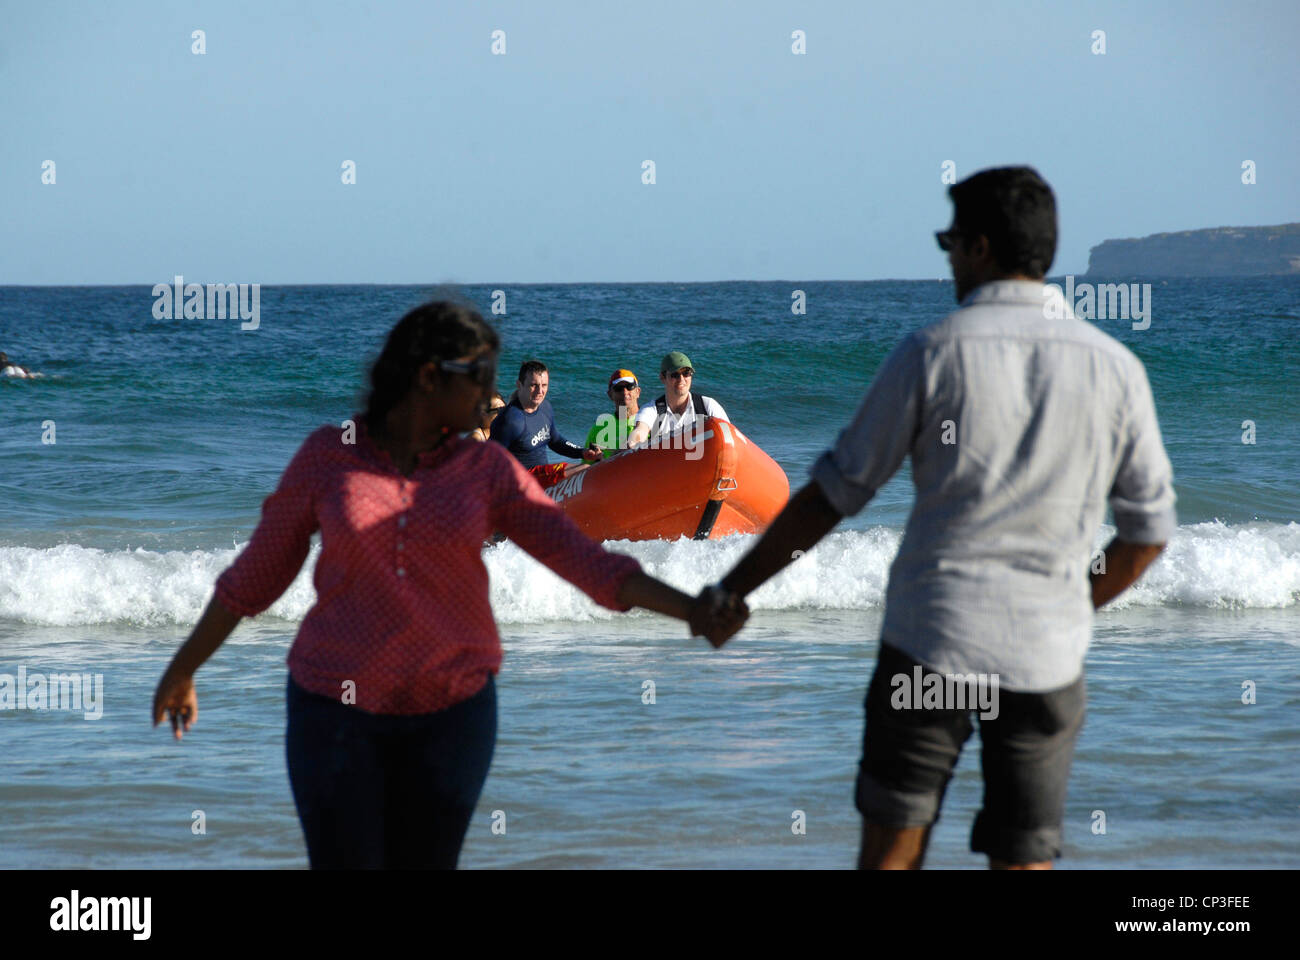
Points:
(1206, 565)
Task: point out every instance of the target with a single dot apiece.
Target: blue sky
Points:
(476, 168)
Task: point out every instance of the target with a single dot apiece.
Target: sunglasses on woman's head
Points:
(483, 372)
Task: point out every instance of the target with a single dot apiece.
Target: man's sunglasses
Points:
(945, 238)
(483, 372)
(629, 387)
(682, 374)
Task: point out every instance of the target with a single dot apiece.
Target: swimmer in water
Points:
(10, 369)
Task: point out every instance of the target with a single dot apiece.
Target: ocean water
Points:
(169, 433)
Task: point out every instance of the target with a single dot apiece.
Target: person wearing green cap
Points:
(679, 405)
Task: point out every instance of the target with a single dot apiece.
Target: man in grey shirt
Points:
(1020, 427)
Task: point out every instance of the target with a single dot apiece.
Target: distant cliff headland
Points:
(1217, 252)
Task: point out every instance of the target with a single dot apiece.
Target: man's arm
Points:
(807, 518)
(844, 479)
(567, 448)
(645, 421)
(1123, 564)
(1141, 498)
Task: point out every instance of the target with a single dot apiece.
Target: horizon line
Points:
(632, 283)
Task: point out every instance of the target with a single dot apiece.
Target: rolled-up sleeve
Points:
(1142, 496)
(282, 540)
(531, 519)
(871, 448)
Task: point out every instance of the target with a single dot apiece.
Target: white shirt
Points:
(670, 423)
(1020, 429)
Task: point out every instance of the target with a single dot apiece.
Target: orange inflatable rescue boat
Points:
(704, 485)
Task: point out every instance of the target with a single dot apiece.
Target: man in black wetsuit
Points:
(526, 427)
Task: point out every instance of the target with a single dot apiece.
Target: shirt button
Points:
(400, 545)
(401, 521)
(401, 572)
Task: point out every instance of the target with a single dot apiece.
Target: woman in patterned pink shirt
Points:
(392, 706)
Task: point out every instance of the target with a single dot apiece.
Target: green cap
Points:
(675, 361)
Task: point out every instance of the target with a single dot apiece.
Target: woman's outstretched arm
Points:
(527, 516)
(256, 579)
(175, 695)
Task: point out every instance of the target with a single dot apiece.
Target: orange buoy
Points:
(703, 484)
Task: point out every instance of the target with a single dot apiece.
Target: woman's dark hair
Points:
(1013, 207)
(440, 330)
(489, 412)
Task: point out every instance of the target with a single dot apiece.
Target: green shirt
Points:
(610, 436)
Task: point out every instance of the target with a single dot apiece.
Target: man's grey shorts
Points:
(908, 757)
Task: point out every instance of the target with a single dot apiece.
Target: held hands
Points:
(717, 615)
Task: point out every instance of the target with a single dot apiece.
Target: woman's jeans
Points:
(387, 791)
